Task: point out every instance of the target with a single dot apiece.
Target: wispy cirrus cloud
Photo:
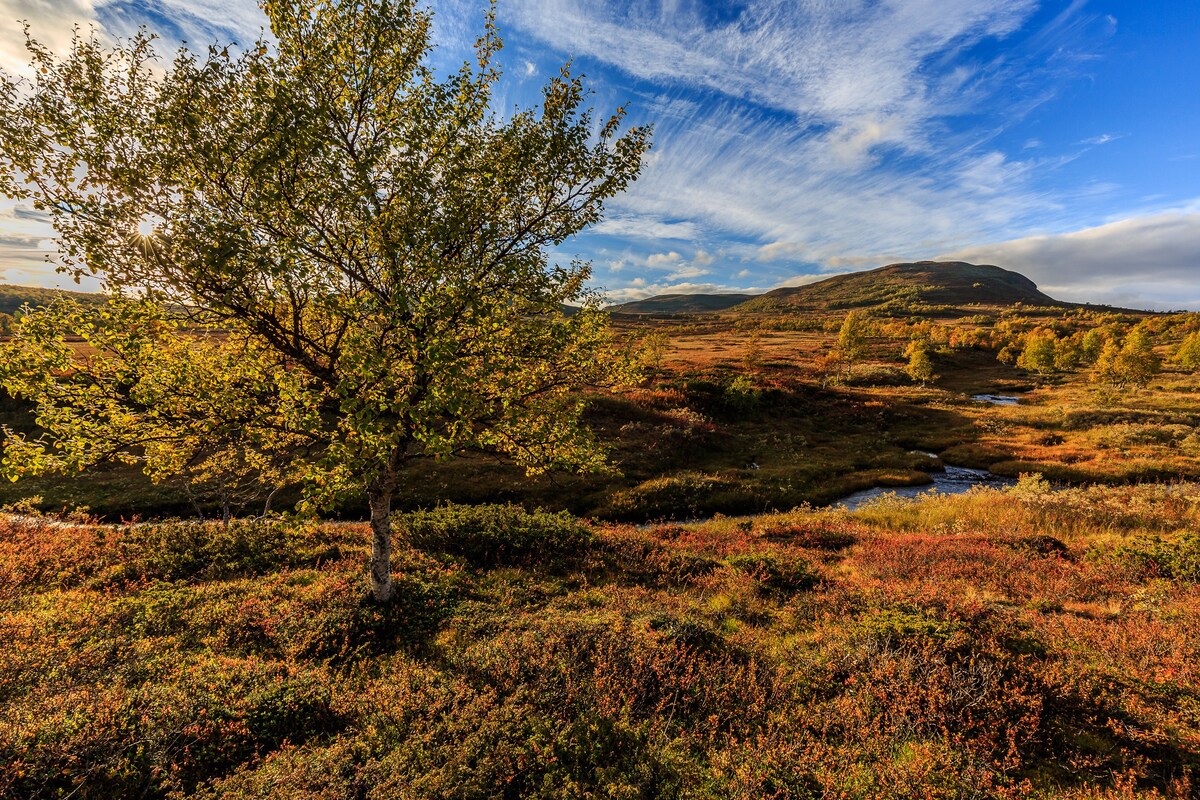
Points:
(758, 177)
(643, 228)
(794, 138)
(806, 57)
(788, 121)
(197, 22)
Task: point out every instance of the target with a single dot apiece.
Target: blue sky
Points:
(801, 138)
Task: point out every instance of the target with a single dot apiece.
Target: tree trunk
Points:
(381, 545)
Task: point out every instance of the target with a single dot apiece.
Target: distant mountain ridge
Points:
(13, 297)
(950, 283)
(682, 303)
(954, 283)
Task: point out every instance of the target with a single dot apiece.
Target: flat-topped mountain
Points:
(682, 303)
(954, 283)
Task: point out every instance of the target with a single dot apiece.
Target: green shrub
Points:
(348, 625)
(741, 396)
(1177, 559)
(498, 535)
(816, 538)
(775, 573)
(1132, 435)
(682, 496)
(205, 550)
(891, 626)
(1038, 544)
(642, 559)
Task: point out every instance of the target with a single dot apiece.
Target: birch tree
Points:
(375, 233)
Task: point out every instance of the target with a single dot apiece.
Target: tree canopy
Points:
(1038, 350)
(374, 236)
(1132, 363)
(852, 339)
(920, 363)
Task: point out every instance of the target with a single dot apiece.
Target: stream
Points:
(955, 480)
(997, 399)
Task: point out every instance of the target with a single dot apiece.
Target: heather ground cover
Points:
(1033, 643)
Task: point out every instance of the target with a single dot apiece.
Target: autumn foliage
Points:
(1021, 644)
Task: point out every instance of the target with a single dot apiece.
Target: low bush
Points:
(1176, 558)
(51, 554)
(683, 496)
(498, 535)
(940, 650)
(776, 573)
(810, 536)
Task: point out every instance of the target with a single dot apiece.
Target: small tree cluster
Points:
(852, 341)
(1131, 363)
(652, 349)
(1188, 354)
(920, 362)
(1038, 352)
(1045, 351)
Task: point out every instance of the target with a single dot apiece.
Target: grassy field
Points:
(1040, 642)
(735, 418)
(1020, 644)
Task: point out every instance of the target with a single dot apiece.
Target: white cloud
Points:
(827, 123)
(663, 260)
(740, 173)
(805, 280)
(686, 272)
(776, 251)
(646, 228)
(49, 23)
(198, 22)
(1103, 138)
(1143, 262)
(860, 262)
(834, 62)
(52, 22)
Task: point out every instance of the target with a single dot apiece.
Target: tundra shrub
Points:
(1174, 559)
(776, 573)
(174, 551)
(498, 535)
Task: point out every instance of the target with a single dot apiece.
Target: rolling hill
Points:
(682, 303)
(952, 283)
(13, 297)
(955, 283)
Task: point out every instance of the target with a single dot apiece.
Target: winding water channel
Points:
(998, 399)
(955, 480)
